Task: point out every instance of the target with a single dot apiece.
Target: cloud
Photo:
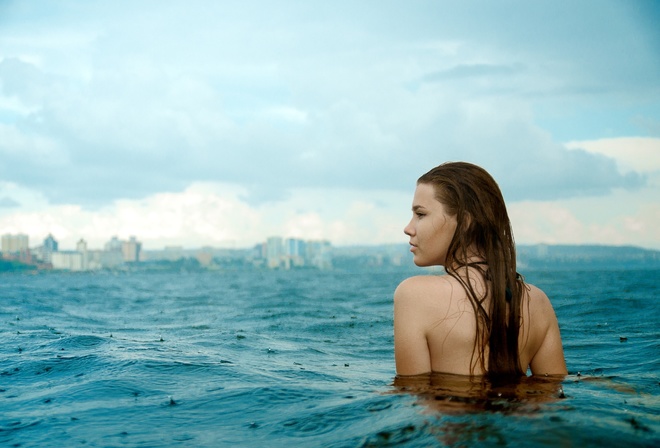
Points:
(564, 174)
(500, 136)
(277, 99)
(213, 214)
(7, 202)
(638, 154)
(580, 221)
(102, 142)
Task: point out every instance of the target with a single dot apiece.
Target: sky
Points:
(203, 123)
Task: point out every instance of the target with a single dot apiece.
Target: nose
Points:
(409, 229)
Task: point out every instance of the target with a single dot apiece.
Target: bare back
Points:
(435, 329)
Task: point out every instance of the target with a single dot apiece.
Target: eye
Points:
(420, 214)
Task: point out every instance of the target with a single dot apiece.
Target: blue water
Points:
(301, 358)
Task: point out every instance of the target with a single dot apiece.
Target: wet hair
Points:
(483, 240)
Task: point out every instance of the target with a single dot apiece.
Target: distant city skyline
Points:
(15, 242)
(278, 253)
(274, 253)
(223, 123)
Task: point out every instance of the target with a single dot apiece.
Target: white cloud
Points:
(244, 97)
(213, 214)
(125, 117)
(641, 154)
(619, 219)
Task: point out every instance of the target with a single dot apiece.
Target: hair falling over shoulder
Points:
(484, 242)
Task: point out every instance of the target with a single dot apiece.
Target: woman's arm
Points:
(411, 350)
(549, 358)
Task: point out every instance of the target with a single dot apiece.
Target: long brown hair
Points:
(483, 240)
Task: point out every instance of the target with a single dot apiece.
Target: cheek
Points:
(438, 227)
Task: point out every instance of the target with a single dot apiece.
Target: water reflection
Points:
(459, 394)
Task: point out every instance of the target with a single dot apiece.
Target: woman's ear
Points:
(467, 222)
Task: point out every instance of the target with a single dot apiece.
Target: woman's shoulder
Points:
(425, 281)
(540, 307)
(423, 287)
(537, 298)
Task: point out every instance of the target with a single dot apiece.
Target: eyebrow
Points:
(417, 207)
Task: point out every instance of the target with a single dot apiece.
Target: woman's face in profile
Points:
(431, 229)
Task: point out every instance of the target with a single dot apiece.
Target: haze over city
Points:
(223, 123)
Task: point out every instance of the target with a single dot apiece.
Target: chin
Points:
(427, 263)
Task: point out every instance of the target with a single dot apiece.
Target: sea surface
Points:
(304, 358)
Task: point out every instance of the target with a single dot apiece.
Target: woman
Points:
(481, 318)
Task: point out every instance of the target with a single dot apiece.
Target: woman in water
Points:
(481, 318)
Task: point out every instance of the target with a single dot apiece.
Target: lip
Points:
(412, 247)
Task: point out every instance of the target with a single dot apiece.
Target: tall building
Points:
(114, 245)
(50, 243)
(14, 244)
(131, 249)
(113, 254)
(81, 248)
(274, 251)
(294, 252)
(50, 246)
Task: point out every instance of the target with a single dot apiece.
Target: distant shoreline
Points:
(395, 257)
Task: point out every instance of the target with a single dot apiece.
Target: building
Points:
(98, 259)
(131, 250)
(112, 255)
(14, 244)
(319, 254)
(118, 251)
(274, 252)
(67, 260)
(106, 259)
(81, 247)
(291, 253)
(294, 253)
(114, 245)
(49, 247)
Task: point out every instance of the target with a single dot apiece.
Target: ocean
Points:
(304, 358)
